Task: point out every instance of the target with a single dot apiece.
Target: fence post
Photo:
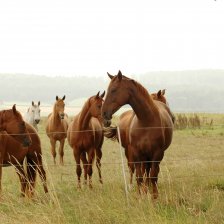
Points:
(122, 163)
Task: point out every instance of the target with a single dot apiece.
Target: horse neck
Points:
(142, 103)
(84, 117)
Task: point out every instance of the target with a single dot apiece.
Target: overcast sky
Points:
(79, 37)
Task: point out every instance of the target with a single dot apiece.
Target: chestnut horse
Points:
(123, 124)
(85, 136)
(150, 128)
(13, 153)
(12, 123)
(56, 128)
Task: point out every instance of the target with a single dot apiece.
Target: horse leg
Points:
(61, 151)
(98, 163)
(85, 165)
(91, 155)
(53, 151)
(131, 165)
(77, 155)
(31, 175)
(22, 176)
(154, 178)
(36, 165)
(139, 177)
(154, 173)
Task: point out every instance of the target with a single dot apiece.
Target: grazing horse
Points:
(13, 153)
(150, 128)
(56, 128)
(12, 123)
(85, 136)
(32, 116)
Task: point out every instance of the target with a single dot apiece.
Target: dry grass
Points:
(191, 186)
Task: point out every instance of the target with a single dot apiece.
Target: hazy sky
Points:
(92, 37)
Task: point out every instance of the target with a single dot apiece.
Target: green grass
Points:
(191, 186)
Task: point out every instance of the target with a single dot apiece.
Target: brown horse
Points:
(85, 136)
(12, 123)
(123, 124)
(150, 128)
(56, 128)
(13, 153)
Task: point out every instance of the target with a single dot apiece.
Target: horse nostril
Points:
(37, 121)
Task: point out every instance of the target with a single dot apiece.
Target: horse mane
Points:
(83, 113)
(141, 89)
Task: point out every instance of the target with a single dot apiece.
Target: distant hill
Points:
(187, 91)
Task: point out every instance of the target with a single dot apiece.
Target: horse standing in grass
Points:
(56, 128)
(32, 116)
(150, 128)
(85, 136)
(12, 123)
(124, 123)
(13, 153)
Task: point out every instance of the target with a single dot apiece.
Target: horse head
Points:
(13, 123)
(34, 112)
(160, 96)
(60, 107)
(118, 94)
(95, 105)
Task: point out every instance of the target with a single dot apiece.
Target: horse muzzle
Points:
(37, 121)
(62, 116)
(106, 123)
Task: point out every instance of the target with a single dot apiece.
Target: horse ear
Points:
(119, 75)
(14, 109)
(110, 76)
(163, 92)
(159, 93)
(63, 97)
(97, 95)
(38, 103)
(32, 103)
(103, 94)
(57, 98)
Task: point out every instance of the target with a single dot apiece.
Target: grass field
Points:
(191, 186)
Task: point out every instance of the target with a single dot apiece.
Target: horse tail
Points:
(111, 133)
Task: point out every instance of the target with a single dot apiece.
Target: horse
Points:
(150, 126)
(12, 123)
(13, 153)
(85, 136)
(56, 128)
(123, 124)
(32, 116)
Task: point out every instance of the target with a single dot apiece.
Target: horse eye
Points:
(33, 111)
(39, 110)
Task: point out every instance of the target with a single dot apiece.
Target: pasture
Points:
(191, 185)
